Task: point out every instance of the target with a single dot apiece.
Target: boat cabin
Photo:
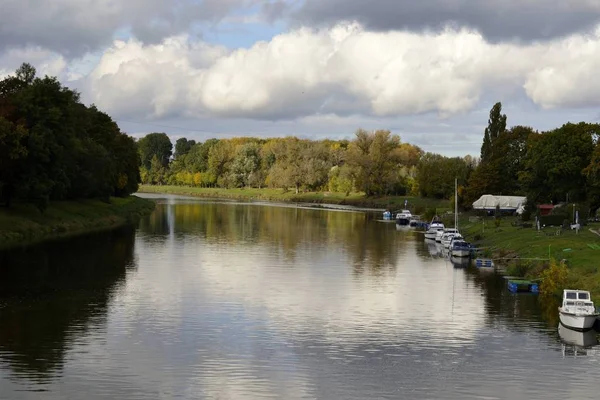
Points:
(404, 214)
(576, 298)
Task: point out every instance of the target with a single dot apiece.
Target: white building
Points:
(489, 202)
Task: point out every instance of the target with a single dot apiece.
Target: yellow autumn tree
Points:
(554, 278)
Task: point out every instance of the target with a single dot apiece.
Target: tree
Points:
(489, 176)
(52, 147)
(436, 174)
(557, 161)
(219, 157)
(246, 166)
(290, 164)
(196, 160)
(496, 126)
(182, 147)
(12, 151)
(374, 156)
(155, 144)
(157, 171)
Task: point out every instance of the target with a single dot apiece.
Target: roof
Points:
(550, 206)
(488, 202)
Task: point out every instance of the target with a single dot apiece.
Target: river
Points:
(225, 300)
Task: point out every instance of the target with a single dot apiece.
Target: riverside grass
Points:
(24, 224)
(280, 195)
(581, 250)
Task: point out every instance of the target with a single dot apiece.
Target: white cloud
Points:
(328, 82)
(344, 70)
(569, 77)
(45, 61)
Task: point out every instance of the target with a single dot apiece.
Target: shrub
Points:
(554, 278)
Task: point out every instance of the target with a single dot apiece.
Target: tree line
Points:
(52, 147)
(549, 166)
(374, 163)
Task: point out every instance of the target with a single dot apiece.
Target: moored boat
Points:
(460, 248)
(434, 227)
(403, 217)
(577, 310)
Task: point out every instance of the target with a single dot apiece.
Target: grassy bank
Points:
(24, 224)
(280, 195)
(533, 248)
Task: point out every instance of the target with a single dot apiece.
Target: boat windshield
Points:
(583, 296)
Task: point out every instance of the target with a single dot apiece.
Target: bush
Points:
(520, 268)
(554, 278)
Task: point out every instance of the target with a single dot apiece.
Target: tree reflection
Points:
(373, 247)
(51, 294)
(515, 310)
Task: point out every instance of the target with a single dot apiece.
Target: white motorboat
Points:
(434, 227)
(459, 248)
(577, 310)
(446, 236)
(403, 217)
(415, 220)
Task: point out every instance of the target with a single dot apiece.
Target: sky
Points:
(428, 71)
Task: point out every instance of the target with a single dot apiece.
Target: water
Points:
(209, 300)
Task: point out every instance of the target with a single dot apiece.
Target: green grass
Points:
(507, 242)
(24, 223)
(267, 194)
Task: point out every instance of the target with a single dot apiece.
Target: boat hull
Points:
(460, 252)
(430, 235)
(577, 322)
(402, 221)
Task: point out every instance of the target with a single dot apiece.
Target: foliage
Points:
(373, 156)
(436, 174)
(155, 145)
(554, 278)
(183, 146)
(556, 162)
(52, 147)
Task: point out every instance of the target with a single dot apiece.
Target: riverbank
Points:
(25, 224)
(280, 195)
(526, 250)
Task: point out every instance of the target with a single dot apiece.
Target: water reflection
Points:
(576, 338)
(243, 301)
(53, 294)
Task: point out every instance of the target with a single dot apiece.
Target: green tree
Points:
(246, 166)
(374, 158)
(52, 147)
(12, 151)
(182, 147)
(496, 126)
(436, 174)
(556, 162)
(155, 144)
(219, 159)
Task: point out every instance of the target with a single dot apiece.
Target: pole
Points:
(456, 203)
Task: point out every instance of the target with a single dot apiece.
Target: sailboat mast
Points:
(456, 203)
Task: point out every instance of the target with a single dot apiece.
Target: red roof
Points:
(546, 206)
